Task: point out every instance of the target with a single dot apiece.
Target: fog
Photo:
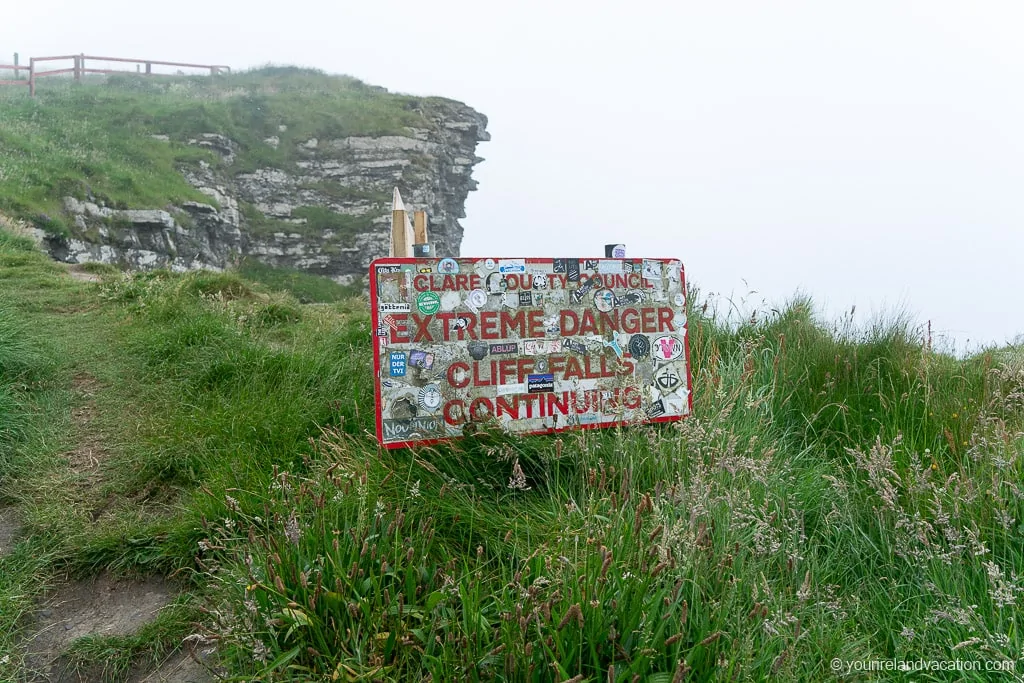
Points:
(869, 154)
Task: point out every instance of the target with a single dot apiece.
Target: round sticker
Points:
(541, 366)
(667, 348)
(430, 397)
(448, 266)
(477, 298)
(679, 299)
(489, 264)
(639, 346)
(428, 303)
(604, 300)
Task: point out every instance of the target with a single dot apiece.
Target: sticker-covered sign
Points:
(531, 346)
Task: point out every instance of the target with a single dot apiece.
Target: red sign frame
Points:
(399, 306)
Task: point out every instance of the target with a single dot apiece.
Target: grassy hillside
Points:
(837, 494)
(96, 137)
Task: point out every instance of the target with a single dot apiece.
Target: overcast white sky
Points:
(867, 152)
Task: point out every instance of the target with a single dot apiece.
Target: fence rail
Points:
(78, 68)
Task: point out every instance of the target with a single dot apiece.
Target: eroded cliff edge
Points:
(273, 186)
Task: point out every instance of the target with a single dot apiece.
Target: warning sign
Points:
(532, 346)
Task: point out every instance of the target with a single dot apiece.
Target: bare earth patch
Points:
(182, 667)
(103, 606)
(10, 525)
(77, 273)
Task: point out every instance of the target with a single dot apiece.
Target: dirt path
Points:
(105, 605)
(10, 526)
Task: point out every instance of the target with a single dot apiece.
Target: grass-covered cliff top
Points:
(95, 137)
(838, 494)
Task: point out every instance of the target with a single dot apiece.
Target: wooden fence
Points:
(78, 68)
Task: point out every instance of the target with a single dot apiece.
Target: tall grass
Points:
(838, 493)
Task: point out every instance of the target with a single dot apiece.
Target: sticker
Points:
(572, 270)
(477, 350)
(382, 329)
(385, 307)
(609, 267)
(619, 251)
(536, 384)
(629, 299)
(614, 346)
(558, 265)
(426, 269)
(679, 300)
(604, 300)
(639, 346)
(656, 409)
(489, 264)
(477, 298)
(541, 365)
(541, 347)
(448, 266)
(384, 270)
(540, 282)
(667, 348)
(590, 264)
(506, 389)
(460, 323)
(403, 430)
(627, 267)
(667, 379)
(428, 303)
(396, 363)
(496, 283)
(508, 347)
(525, 298)
(578, 294)
(673, 270)
(511, 266)
(421, 359)
(652, 270)
(430, 397)
(575, 346)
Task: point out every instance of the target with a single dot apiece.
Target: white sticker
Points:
(652, 270)
(606, 267)
(507, 266)
(505, 389)
(489, 264)
(385, 307)
(477, 298)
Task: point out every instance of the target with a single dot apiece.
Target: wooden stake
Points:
(401, 245)
(420, 227)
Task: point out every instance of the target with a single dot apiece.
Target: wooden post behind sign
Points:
(420, 227)
(401, 230)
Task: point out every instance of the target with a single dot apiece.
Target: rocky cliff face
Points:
(327, 212)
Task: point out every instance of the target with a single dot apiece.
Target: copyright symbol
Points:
(837, 664)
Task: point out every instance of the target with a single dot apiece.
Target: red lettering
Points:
(665, 316)
(506, 368)
(562, 406)
(481, 408)
(420, 283)
(462, 282)
(648, 323)
(536, 323)
(513, 324)
(630, 321)
(524, 367)
(458, 375)
(489, 325)
(568, 322)
(506, 408)
(588, 325)
(455, 412)
(422, 333)
(400, 333)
